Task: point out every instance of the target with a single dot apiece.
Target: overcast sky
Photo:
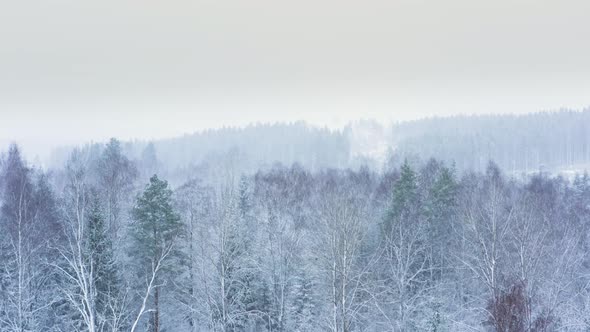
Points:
(73, 70)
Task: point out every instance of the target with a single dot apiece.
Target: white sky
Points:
(74, 71)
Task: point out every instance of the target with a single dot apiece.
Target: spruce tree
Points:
(404, 201)
(440, 208)
(101, 254)
(443, 196)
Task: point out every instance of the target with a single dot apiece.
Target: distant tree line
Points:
(254, 147)
(517, 143)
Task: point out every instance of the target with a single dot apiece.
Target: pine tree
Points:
(155, 230)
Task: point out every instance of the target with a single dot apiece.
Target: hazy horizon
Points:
(149, 70)
(94, 127)
(79, 129)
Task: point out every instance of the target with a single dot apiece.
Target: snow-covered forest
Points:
(294, 166)
(171, 236)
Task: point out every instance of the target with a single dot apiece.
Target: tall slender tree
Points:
(106, 278)
(155, 230)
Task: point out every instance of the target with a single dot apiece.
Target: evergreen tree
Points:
(443, 195)
(302, 309)
(102, 260)
(405, 197)
(440, 208)
(407, 254)
(155, 230)
(248, 278)
(245, 201)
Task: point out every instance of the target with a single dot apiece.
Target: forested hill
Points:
(261, 144)
(551, 141)
(554, 141)
(249, 148)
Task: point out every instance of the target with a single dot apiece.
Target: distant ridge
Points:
(550, 141)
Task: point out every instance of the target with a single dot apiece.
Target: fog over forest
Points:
(294, 166)
(458, 223)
